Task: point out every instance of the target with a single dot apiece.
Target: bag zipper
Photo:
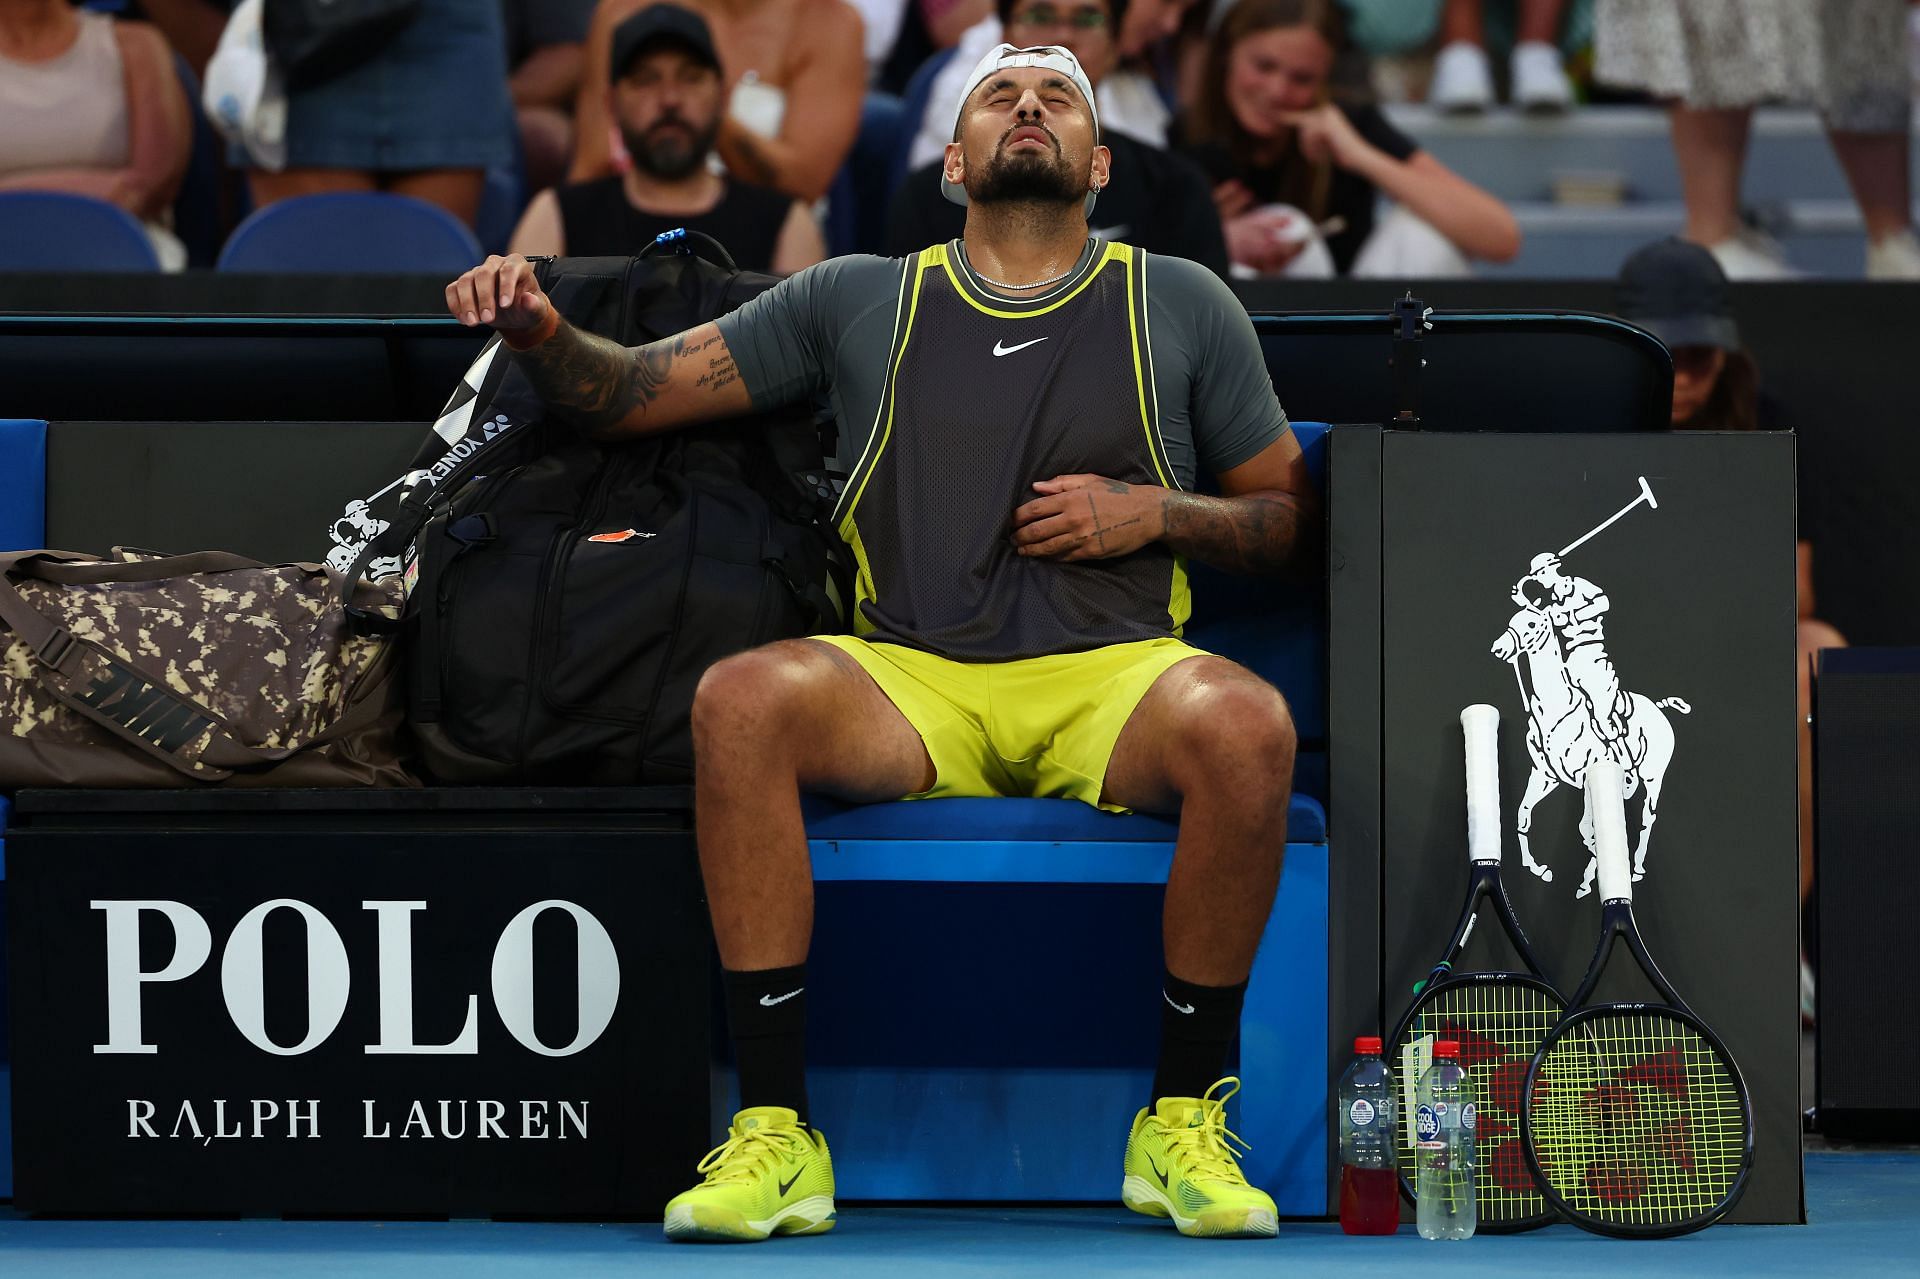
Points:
(552, 578)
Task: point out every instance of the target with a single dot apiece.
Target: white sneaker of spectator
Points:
(1894, 257)
(1540, 83)
(1752, 255)
(1462, 80)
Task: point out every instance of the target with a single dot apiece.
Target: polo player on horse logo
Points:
(1576, 710)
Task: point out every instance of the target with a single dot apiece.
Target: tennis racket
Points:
(1635, 1118)
(1500, 1018)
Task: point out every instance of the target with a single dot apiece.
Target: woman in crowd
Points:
(1677, 291)
(91, 106)
(1297, 173)
(426, 115)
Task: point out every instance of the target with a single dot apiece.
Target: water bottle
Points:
(1443, 1143)
(1369, 1185)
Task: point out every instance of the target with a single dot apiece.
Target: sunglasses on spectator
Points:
(1045, 16)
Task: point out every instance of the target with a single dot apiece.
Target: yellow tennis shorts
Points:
(1041, 727)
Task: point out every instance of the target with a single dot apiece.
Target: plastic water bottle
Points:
(1443, 1141)
(1369, 1185)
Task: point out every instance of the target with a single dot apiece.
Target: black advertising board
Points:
(214, 1014)
(1537, 573)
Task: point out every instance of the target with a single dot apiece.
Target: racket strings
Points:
(1637, 1120)
(1499, 1025)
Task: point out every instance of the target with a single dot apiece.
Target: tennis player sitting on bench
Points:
(1030, 408)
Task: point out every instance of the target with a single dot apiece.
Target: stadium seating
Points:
(363, 232)
(1591, 187)
(53, 231)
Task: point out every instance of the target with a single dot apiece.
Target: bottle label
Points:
(1427, 1127)
(1467, 1115)
(1361, 1112)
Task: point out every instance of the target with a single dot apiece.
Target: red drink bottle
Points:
(1369, 1183)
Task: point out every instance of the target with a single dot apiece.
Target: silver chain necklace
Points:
(1002, 284)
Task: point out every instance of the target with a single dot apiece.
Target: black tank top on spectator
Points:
(598, 220)
(985, 395)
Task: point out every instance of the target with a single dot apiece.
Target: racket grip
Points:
(1481, 724)
(1608, 809)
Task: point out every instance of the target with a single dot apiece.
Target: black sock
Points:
(767, 1011)
(1197, 1028)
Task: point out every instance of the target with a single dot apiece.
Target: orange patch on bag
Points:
(624, 535)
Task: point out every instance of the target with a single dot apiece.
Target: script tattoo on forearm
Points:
(1255, 533)
(604, 389)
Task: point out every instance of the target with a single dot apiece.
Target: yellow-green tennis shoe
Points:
(772, 1176)
(1181, 1165)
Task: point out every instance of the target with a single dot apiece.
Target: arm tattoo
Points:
(604, 389)
(1256, 533)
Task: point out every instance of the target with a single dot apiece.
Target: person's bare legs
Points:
(455, 190)
(270, 188)
(1876, 166)
(766, 723)
(1540, 21)
(1214, 742)
(1711, 149)
(1461, 21)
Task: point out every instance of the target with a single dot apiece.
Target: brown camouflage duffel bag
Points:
(152, 671)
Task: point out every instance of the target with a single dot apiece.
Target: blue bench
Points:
(23, 524)
(1036, 921)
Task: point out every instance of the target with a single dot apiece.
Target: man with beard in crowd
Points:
(667, 95)
(1031, 408)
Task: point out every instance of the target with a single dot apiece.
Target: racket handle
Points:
(1481, 724)
(1605, 803)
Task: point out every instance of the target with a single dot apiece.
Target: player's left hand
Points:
(1088, 517)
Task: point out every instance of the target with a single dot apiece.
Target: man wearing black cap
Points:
(667, 96)
(1030, 409)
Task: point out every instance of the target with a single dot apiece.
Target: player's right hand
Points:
(500, 292)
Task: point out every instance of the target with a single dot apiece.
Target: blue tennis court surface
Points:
(1862, 1207)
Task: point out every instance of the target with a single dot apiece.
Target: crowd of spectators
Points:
(1248, 134)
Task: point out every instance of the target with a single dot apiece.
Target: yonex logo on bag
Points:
(147, 712)
(461, 451)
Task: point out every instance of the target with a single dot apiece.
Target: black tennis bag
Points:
(564, 597)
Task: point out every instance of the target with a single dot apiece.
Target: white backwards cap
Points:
(1053, 57)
